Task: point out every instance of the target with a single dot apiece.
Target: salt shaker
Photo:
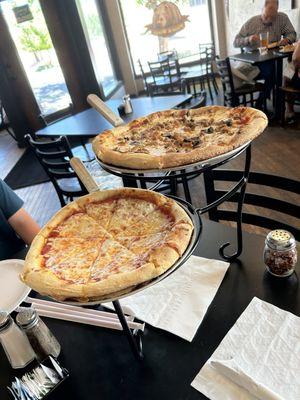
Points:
(127, 104)
(40, 337)
(280, 253)
(15, 343)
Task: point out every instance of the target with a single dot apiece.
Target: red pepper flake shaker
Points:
(280, 253)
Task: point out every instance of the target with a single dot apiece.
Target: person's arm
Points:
(288, 32)
(24, 225)
(245, 39)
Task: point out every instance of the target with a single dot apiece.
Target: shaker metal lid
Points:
(26, 317)
(280, 239)
(4, 317)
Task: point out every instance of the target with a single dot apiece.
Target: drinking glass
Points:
(264, 42)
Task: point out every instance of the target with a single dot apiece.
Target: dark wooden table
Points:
(90, 123)
(102, 366)
(255, 58)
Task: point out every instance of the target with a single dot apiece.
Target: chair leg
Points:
(244, 100)
(209, 88)
(215, 85)
(264, 102)
(282, 119)
(251, 100)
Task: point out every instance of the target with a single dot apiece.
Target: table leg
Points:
(278, 97)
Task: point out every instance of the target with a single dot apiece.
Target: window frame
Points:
(184, 64)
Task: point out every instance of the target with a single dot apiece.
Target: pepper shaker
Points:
(15, 343)
(280, 253)
(40, 337)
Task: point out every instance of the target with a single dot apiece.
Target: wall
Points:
(241, 10)
(123, 52)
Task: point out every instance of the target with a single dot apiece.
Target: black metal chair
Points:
(255, 199)
(54, 156)
(208, 59)
(166, 78)
(203, 73)
(288, 93)
(245, 94)
(148, 80)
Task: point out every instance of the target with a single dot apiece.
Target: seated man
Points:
(16, 225)
(292, 80)
(276, 23)
(280, 30)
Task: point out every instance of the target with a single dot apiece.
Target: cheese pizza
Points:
(179, 137)
(106, 242)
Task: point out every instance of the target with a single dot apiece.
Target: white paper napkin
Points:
(178, 303)
(259, 358)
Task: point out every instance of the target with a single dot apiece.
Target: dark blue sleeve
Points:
(10, 203)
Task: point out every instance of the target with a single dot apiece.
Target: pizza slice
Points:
(60, 267)
(101, 212)
(116, 268)
(128, 212)
(78, 225)
(142, 244)
(64, 254)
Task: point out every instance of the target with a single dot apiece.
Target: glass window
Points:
(98, 45)
(145, 46)
(30, 34)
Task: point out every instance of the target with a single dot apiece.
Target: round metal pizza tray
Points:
(197, 224)
(199, 164)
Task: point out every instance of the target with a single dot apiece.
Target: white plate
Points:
(12, 290)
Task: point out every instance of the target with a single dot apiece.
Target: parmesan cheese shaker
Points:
(127, 104)
(15, 343)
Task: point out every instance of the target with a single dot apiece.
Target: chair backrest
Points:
(224, 69)
(163, 71)
(208, 57)
(280, 186)
(54, 156)
(166, 78)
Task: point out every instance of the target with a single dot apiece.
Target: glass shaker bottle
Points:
(127, 104)
(40, 337)
(15, 343)
(280, 253)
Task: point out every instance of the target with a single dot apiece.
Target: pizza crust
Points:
(154, 261)
(103, 144)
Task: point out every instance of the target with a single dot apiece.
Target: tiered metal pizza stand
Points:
(174, 176)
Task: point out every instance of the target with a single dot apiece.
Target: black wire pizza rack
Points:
(173, 177)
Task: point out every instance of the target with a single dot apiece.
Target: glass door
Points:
(29, 32)
(98, 44)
